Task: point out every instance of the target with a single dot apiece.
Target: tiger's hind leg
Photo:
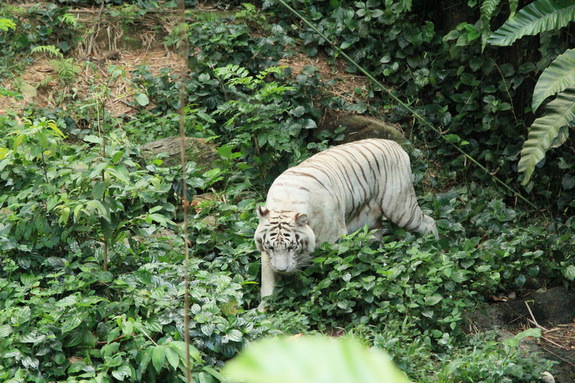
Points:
(403, 210)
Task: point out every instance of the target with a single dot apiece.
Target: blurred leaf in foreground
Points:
(312, 359)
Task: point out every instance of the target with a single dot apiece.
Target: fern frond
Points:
(6, 24)
(560, 113)
(70, 19)
(555, 78)
(48, 49)
(231, 71)
(66, 69)
(537, 17)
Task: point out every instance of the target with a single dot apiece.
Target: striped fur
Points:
(334, 193)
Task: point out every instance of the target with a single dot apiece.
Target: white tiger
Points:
(334, 193)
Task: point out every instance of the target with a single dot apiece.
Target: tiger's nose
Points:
(281, 268)
(280, 265)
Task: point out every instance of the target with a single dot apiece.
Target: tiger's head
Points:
(286, 237)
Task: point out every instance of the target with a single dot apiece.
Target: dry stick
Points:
(533, 320)
(559, 356)
(99, 17)
(407, 107)
(184, 52)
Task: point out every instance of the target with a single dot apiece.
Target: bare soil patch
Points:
(40, 86)
(348, 86)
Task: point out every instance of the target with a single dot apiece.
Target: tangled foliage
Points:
(91, 254)
(477, 96)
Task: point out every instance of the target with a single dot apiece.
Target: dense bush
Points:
(34, 26)
(91, 249)
(443, 70)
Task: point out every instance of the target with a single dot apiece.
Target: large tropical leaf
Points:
(312, 359)
(556, 78)
(545, 130)
(488, 7)
(537, 17)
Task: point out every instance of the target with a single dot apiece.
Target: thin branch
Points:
(185, 204)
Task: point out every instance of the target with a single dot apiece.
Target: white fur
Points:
(334, 193)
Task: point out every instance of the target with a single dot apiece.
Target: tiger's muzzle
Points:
(284, 262)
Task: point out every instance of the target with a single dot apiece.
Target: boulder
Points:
(198, 150)
(358, 127)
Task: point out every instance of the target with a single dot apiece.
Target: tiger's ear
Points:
(262, 212)
(300, 219)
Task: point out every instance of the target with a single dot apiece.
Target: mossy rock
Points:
(198, 150)
(359, 127)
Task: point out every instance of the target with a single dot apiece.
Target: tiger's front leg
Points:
(268, 280)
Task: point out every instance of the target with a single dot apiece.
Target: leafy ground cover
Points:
(91, 247)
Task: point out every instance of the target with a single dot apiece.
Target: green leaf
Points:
(98, 190)
(556, 78)
(513, 7)
(173, 357)
(514, 341)
(93, 139)
(127, 328)
(6, 24)
(68, 301)
(34, 337)
(71, 323)
(21, 316)
(160, 219)
(120, 172)
(487, 9)
(117, 156)
(453, 138)
(537, 17)
(76, 367)
(234, 335)
(158, 357)
(145, 357)
(122, 373)
(4, 152)
(180, 348)
(64, 216)
(110, 349)
(52, 125)
(569, 272)
(142, 99)
(559, 113)
(433, 300)
(308, 123)
(312, 359)
(5, 330)
(214, 373)
(27, 279)
(98, 207)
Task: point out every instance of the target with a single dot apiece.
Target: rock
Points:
(198, 150)
(550, 308)
(359, 127)
(553, 310)
(547, 377)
